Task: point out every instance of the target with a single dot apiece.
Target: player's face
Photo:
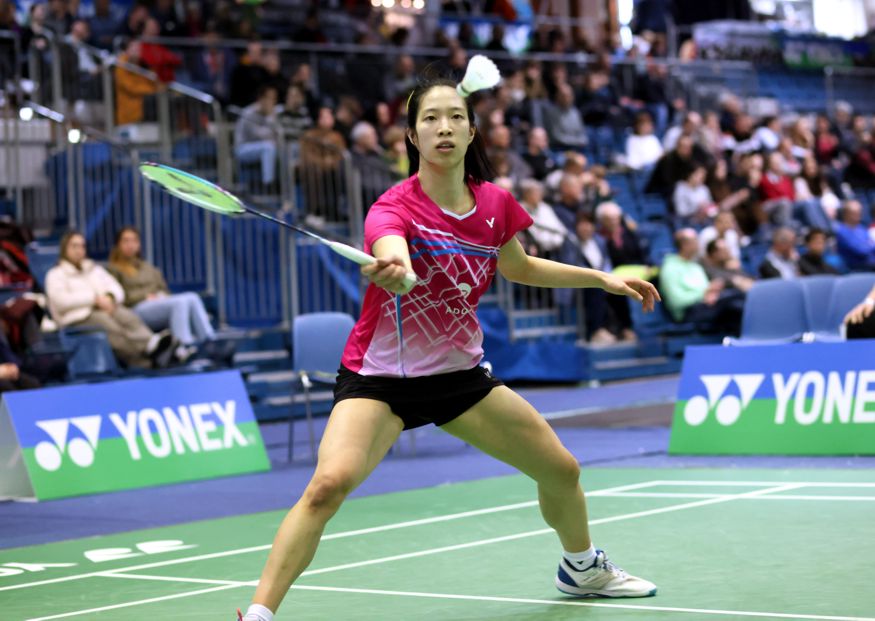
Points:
(443, 131)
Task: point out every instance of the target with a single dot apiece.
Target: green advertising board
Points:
(791, 399)
(84, 439)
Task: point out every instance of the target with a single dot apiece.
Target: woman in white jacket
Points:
(82, 293)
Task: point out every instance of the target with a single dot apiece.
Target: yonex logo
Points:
(490, 221)
(49, 455)
(727, 409)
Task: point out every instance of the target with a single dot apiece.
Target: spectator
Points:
(826, 143)
(719, 264)
(35, 34)
(812, 262)
(104, 24)
(248, 75)
(11, 375)
(861, 169)
(776, 190)
(147, 294)
(676, 165)
(624, 243)
(745, 185)
(570, 199)
(802, 138)
(768, 135)
(564, 122)
(792, 162)
(211, 67)
(643, 148)
(157, 57)
(725, 229)
(81, 293)
(367, 158)
(59, 19)
(322, 151)
(133, 24)
(860, 321)
(855, 245)
(690, 296)
(396, 152)
(255, 133)
(727, 197)
(347, 114)
(294, 117)
(81, 77)
(401, 80)
(692, 201)
(500, 142)
(588, 249)
(311, 31)
(131, 87)
(548, 232)
(167, 18)
(537, 154)
(782, 260)
(272, 64)
(812, 185)
(690, 126)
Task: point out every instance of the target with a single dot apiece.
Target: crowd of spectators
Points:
(739, 193)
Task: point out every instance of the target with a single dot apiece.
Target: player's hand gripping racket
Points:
(208, 195)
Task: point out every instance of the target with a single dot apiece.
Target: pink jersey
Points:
(434, 328)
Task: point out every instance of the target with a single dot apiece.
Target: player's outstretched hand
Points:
(635, 288)
(860, 312)
(387, 273)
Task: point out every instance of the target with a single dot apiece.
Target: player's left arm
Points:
(515, 265)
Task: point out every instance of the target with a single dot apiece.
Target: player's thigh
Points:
(358, 435)
(506, 426)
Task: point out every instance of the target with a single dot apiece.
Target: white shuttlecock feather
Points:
(481, 73)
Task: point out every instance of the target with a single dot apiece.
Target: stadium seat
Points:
(41, 259)
(774, 312)
(848, 292)
(318, 340)
(818, 292)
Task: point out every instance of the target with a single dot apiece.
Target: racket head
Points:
(192, 189)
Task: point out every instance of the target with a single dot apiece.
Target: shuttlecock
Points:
(481, 73)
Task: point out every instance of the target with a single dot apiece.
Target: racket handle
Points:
(363, 258)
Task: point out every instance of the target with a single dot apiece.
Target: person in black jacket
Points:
(812, 262)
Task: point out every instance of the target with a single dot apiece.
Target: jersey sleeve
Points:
(383, 219)
(516, 218)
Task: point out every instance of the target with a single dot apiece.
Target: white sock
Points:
(257, 612)
(581, 560)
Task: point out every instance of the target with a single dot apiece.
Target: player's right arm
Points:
(391, 265)
(862, 310)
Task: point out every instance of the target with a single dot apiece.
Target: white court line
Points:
(543, 531)
(386, 559)
(136, 603)
(587, 604)
(769, 497)
(700, 483)
(340, 535)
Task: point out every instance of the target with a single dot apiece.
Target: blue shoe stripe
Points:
(564, 577)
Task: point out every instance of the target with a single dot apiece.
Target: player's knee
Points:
(326, 492)
(566, 472)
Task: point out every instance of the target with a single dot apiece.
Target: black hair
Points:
(812, 233)
(711, 246)
(477, 166)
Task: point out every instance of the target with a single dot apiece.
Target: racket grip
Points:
(363, 258)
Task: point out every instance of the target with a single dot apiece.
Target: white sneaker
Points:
(601, 579)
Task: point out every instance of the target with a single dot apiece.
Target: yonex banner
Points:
(83, 439)
(795, 399)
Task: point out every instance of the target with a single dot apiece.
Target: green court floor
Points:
(720, 544)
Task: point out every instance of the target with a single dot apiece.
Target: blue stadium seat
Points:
(318, 340)
(848, 292)
(818, 292)
(774, 312)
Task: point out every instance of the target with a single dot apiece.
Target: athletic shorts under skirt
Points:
(422, 400)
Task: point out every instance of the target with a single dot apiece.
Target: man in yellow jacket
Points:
(130, 87)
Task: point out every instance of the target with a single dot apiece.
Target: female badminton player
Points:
(413, 357)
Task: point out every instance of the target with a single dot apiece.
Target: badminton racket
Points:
(208, 195)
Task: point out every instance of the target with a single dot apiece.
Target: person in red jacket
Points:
(776, 190)
(157, 57)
